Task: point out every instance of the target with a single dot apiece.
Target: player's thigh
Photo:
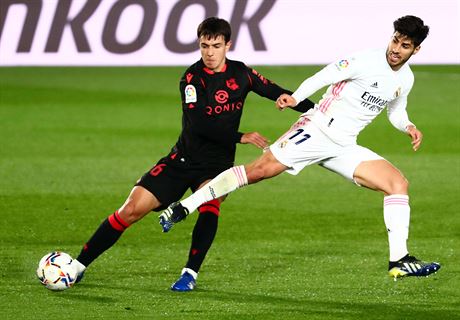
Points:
(382, 176)
(167, 181)
(265, 167)
(302, 146)
(138, 204)
(347, 160)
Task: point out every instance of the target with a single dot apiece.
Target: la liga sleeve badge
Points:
(190, 94)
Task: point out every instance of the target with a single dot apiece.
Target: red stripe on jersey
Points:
(336, 90)
(325, 104)
(209, 71)
(250, 80)
(189, 77)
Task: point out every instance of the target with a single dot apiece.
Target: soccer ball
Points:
(56, 272)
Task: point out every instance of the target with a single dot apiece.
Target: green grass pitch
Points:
(74, 140)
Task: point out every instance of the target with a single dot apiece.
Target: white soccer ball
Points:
(56, 272)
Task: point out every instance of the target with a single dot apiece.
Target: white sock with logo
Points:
(396, 213)
(226, 182)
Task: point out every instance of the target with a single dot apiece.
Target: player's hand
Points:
(255, 138)
(285, 101)
(416, 136)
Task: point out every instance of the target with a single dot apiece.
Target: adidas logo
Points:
(374, 85)
(412, 267)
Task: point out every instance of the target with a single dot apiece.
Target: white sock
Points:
(396, 213)
(226, 182)
(193, 273)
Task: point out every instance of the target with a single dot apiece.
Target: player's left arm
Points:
(397, 114)
(268, 89)
(416, 136)
(340, 70)
(254, 138)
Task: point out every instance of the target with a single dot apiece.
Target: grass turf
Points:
(74, 140)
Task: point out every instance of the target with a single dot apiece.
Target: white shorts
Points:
(305, 144)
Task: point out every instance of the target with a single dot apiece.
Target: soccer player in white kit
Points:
(360, 87)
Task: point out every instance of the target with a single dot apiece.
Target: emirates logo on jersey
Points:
(231, 84)
(221, 96)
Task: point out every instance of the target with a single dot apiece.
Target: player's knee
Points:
(399, 186)
(263, 169)
(255, 173)
(266, 167)
(129, 213)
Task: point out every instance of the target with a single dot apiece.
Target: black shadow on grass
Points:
(87, 298)
(306, 306)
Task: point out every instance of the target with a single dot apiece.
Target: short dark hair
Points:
(412, 27)
(213, 27)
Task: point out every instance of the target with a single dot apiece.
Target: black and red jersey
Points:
(212, 105)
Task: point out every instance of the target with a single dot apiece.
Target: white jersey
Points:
(360, 87)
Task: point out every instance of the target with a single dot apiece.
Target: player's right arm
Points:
(268, 89)
(255, 139)
(335, 72)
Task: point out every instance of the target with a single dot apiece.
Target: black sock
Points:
(104, 237)
(202, 238)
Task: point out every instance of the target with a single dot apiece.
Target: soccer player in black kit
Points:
(213, 91)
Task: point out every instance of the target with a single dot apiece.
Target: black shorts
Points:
(170, 178)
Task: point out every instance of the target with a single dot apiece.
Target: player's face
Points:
(400, 49)
(213, 52)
